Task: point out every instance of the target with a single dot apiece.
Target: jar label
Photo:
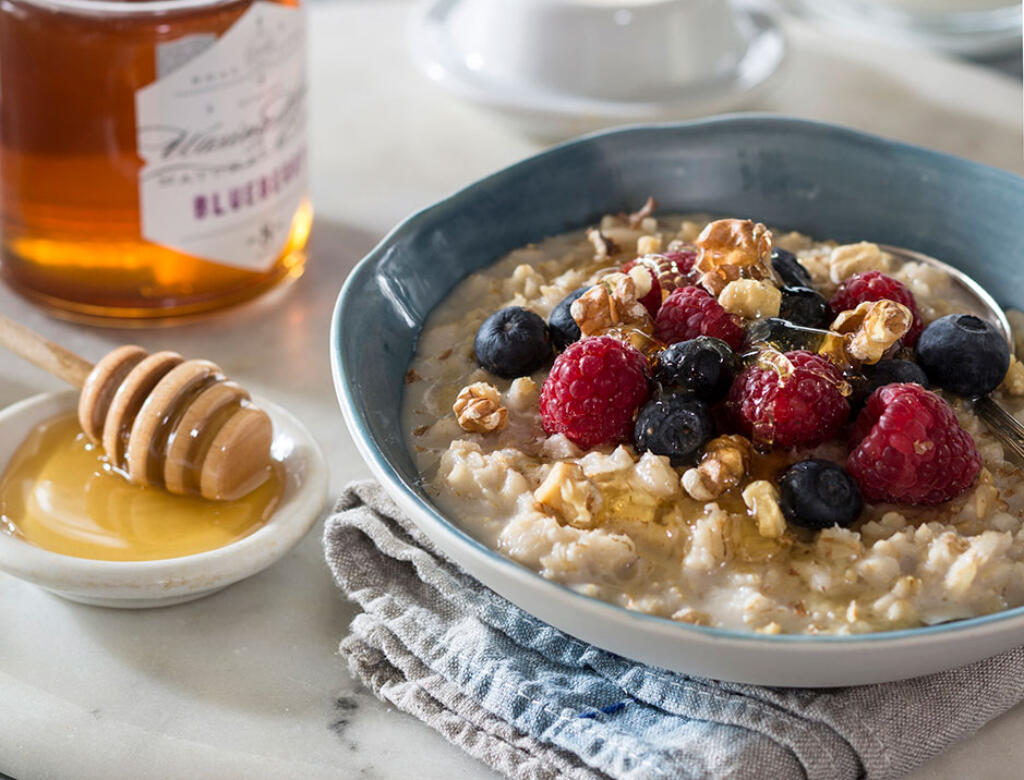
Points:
(223, 141)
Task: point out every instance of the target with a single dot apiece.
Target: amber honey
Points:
(60, 493)
(71, 208)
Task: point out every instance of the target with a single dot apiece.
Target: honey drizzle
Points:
(60, 493)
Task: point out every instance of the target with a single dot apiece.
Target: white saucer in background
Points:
(562, 67)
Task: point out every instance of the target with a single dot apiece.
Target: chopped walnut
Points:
(569, 495)
(986, 496)
(733, 249)
(751, 299)
(648, 245)
(522, 394)
(604, 247)
(850, 259)
(872, 328)
(1013, 384)
(726, 461)
(612, 305)
(762, 499)
(641, 281)
(637, 217)
(478, 409)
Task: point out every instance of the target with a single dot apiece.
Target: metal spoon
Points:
(1007, 428)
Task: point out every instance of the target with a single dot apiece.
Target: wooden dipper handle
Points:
(42, 352)
(165, 421)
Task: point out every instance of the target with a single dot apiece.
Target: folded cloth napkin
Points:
(532, 702)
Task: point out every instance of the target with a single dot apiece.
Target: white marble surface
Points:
(248, 683)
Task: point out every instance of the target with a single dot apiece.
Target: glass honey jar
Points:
(152, 153)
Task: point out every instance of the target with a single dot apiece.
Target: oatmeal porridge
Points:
(734, 431)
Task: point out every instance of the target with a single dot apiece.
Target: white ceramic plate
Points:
(135, 584)
(554, 112)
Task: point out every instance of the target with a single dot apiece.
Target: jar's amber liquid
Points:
(69, 188)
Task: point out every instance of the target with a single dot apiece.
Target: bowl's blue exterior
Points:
(823, 180)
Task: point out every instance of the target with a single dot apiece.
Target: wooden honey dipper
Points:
(163, 420)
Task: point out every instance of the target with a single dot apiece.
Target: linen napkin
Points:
(533, 702)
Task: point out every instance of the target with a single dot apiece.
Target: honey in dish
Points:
(60, 493)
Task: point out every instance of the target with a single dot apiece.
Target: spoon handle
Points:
(49, 356)
(1007, 428)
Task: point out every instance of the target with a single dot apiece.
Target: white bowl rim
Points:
(743, 80)
(423, 511)
(300, 507)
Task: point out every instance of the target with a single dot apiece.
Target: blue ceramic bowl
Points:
(819, 179)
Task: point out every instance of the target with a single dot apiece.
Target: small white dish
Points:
(137, 584)
(561, 67)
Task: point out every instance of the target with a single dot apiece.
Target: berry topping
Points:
(593, 391)
(795, 402)
(512, 342)
(651, 301)
(819, 494)
(964, 355)
(886, 372)
(704, 367)
(910, 448)
(804, 306)
(676, 426)
(671, 269)
(689, 312)
(564, 330)
(789, 269)
(876, 286)
(673, 266)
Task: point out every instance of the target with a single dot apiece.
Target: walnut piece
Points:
(872, 328)
(604, 247)
(850, 259)
(762, 499)
(637, 217)
(569, 495)
(1013, 383)
(478, 409)
(522, 394)
(725, 463)
(751, 298)
(611, 306)
(648, 245)
(732, 249)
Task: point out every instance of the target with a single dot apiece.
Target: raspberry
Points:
(876, 286)
(675, 268)
(910, 448)
(669, 271)
(689, 312)
(802, 408)
(593, 391)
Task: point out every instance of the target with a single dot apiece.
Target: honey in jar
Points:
(59, 492)
(152, 153)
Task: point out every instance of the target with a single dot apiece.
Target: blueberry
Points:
(703, 367)
(963, 354)
(819, 494)
(886, 372)
(789, 269)
(674, 425)
(804, 306)
(512, 342)
(564, 330)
